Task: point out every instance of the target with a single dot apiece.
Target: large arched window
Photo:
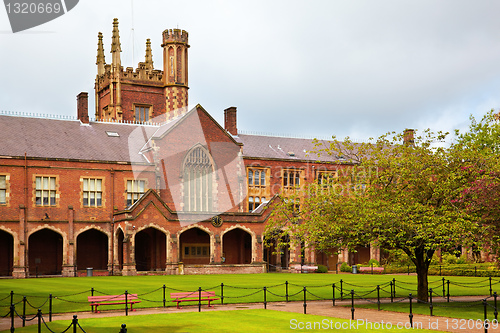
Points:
(198, 177)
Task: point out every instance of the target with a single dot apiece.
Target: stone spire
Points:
(149, 55)
(115, 44)
(100, 56)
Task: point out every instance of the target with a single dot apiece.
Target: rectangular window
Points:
(326, 178)
(256, 178)
(45, 191)
(142, 114)
(291, 179)
(254, 202)
(196, 250)
(92, 192)
(3, 190)
(135, 189)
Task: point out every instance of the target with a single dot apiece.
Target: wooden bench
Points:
(369, 269)
(112, 300)
(193, 297)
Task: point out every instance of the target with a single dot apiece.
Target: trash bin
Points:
(354, 269)
(90, 271)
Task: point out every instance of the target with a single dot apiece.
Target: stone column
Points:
(20, 269)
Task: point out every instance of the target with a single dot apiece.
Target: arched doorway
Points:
(237, 247)
(195, 246)
(277, 258)
(150, 250)
(7, 251)
(328, 258)
(361, 256)
(92, 250)
(119, 241)
(45, 253)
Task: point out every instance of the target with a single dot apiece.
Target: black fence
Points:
(440, 293)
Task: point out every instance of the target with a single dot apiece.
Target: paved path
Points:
(322, 308)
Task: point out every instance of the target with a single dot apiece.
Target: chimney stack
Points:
(230, 120)
(83, 107)
(408, 136)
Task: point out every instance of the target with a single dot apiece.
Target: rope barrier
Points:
(149, 292)
(258, 291)
(36, 307)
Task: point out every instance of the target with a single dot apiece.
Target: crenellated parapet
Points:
(177, 36)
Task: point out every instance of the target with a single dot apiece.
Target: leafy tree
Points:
(397, 192)
(481, 195)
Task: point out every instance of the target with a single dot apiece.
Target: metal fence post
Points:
(12, 313)
(333, 294)
(485, 323)
(411, 312)
(444, 295)
(222, 293)
(24, 311)
(75, 323)
(123, 328)
(92, 294)
(378, 297)
(430, 299)
(164, 296)
(392, 297)
(448, 293)
(265, 301)
(39, 317)
(491, 294)
(341, 290)
(126, 301)
(286, 291)
(394, 286)
(495, 304)
(352, 304)
(50, 307)
(199, 299)
(305, 302)
(11, 297)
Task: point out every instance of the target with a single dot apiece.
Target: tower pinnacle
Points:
(115, 44)
(100, 56)
(149, 55)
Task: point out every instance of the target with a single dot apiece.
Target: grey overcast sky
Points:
(307, 68)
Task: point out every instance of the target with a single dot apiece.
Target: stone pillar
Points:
(215, 243)
(20, 268)
(68, 268)
(128, 255)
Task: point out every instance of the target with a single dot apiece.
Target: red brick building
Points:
(148, 187)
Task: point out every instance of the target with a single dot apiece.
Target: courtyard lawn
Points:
(461, 310)
(214, 321)
(70, 294)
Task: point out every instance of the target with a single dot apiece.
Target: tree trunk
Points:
(422, 267)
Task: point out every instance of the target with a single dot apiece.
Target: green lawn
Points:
(70, 294)
(217, 321)
(469, 310)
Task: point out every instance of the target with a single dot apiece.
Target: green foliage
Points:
(448, 258)
(373, 262)
(344, 267)
(322, 269)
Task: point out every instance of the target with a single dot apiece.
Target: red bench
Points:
(193, 297)
(112, 300)
(369, 269)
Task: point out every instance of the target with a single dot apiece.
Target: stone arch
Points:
(150, 248)
(196, 246)
(238, 245)
(8, 244)
(47, 250)
(92, 248)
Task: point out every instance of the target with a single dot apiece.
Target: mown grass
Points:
(214, 321)
(70, 294)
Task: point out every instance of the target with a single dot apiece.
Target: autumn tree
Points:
(398, 192)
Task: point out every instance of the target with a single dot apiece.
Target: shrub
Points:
(373, 262)
(345, 267)
(449, 258)
(322, 269)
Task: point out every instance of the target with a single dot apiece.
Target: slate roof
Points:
(273, 147)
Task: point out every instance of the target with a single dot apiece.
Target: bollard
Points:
(333, 294)
(39, 317)
(448, 293)
(265, 301)
(430, 299)
(341, 291)
(305, 302)
(24, 311)
(123, 329)
(199, 299)
(75, 323)
(12, 313)
(495, 304)
(222, 293)
(286, 291)
(352, 304)
(50, 307)
(486, 324)
(126, 301)
(164, 296)
(378, 297)
(411, 312)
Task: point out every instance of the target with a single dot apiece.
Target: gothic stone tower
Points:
(146, 94)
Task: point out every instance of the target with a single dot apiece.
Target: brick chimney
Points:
(83, 107)
(408, 136)
(230, 120)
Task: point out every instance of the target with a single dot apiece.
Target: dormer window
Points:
(142, 113)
